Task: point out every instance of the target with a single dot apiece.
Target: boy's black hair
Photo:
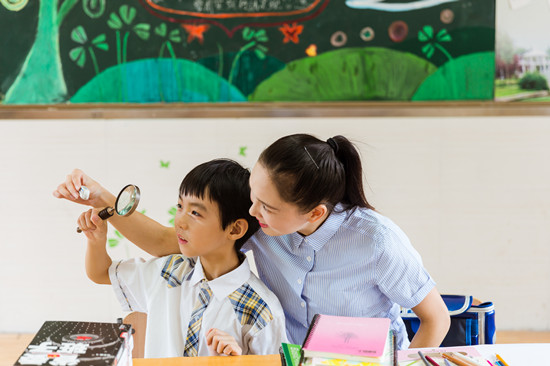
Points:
(224, 182)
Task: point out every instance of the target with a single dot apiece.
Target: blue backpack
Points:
(470, 324)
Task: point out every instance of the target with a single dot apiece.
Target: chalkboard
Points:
(220, 51)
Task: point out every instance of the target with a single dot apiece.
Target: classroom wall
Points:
(471, 193)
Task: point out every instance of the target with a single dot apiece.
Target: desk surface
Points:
(269, 360)
(514, 354)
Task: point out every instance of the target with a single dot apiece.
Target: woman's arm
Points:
(146, 233)
(434, 321)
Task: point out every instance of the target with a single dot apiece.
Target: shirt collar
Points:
(224, 285)
(324, 232)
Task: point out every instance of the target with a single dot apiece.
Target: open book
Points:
(349, 339)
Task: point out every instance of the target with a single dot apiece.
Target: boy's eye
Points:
(195, 213)
(178, 206)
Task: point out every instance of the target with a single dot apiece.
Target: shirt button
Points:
(308, 258)
(299, 280)
(303, 304)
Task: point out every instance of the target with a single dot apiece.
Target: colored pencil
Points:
(501, 360)
(458, 361)
(447, 363)
(466, 358)
(431, 360)
(423, 358)
(489, 362)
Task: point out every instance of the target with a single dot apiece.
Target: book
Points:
(407, 356)
(291, 354)
(349, 339)
(80, 343)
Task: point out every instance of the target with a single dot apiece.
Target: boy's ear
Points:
(317, 212)
(237, 229)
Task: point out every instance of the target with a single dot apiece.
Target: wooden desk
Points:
(250, 360)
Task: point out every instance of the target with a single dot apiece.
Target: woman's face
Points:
(276, 216)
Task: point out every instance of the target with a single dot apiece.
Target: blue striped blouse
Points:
(357, 263)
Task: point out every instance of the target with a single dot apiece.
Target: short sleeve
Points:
(131, 281)
(268, 340)
(399, 270)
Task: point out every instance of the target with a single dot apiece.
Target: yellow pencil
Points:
(501, 360)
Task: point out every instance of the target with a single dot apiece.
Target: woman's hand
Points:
(223, 343)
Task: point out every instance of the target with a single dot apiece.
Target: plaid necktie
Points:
(192, 341)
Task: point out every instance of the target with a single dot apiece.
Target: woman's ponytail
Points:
(308, 171)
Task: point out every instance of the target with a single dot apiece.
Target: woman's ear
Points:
(237, 229)
(318, 212)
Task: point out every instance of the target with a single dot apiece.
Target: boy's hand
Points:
(92, 225)
(223, 343)
(99, 197)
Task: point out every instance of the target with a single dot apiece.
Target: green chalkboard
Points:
(220, 51)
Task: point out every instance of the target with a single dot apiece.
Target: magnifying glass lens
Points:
(127, 200)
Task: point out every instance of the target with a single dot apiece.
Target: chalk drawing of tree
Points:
(427, 35)
(41, 79)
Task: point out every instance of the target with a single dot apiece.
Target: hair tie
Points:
(333, 144)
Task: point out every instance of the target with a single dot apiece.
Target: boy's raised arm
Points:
(146, 233)
(97, 259)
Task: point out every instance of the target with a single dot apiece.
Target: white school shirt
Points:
(357, 263)
(166, 289)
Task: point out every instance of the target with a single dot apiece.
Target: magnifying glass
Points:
(126, 203)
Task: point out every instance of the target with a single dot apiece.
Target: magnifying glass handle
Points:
(103, 214)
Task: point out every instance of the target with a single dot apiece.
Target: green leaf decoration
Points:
(347, 74)
(127, 13)
(164, 164)
(160, 30)
(426, 33)
(443, 36)
(469, 77)
(175, 36)
(142, 30)
(79, 35)
(114, 22)
(172, 222)
(172, 211)
(262, 48)
(261, 36)
(100, 42)
(259, 54)
(113, 243)
(78, 55)
(117, 233)
(247, 34)
(428, 50)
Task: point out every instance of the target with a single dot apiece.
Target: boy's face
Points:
(198, 228)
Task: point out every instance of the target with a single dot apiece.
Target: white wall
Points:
(472, 193)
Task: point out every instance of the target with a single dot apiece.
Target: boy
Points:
(205, 301)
